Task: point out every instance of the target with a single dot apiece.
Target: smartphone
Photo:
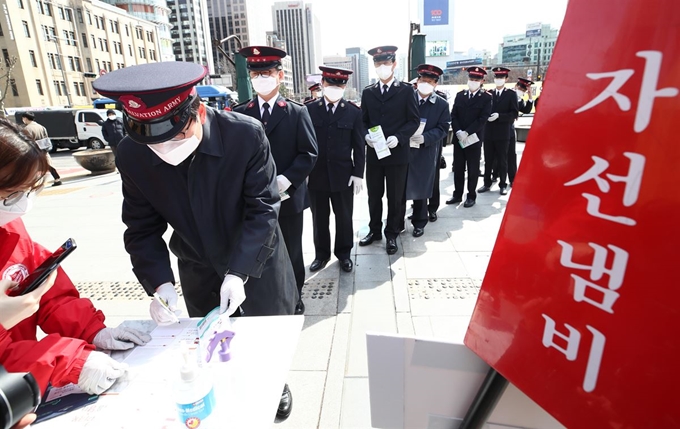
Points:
(37, 277)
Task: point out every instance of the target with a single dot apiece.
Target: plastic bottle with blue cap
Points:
(194, 394)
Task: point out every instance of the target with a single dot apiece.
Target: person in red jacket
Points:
(73, 326)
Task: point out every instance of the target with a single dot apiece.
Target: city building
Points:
(157, 12)
(286, 62)
(533, 48)
(61, 46)
(191, 32)
(401, 70)
(359, 66)
(296, 24)
(436, 22)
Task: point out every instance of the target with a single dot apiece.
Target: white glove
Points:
(493, 117)
(392, 142)
(369, 141)
(120, 338)
(231, 293)
(358, 184)
(462, 135)
(14, 309)
(283, 183)
(99, 373)
(417, 139)
(160, 314)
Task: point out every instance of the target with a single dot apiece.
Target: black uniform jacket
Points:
(293, 146)
(396, 113)
(470, 114)
(525, 106)
(424, 161)
(223, 211)
(507, 108)
(342, 152)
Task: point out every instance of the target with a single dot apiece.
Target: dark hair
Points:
(28, 115)
(110, 112)
(20, 158)
(193, 108)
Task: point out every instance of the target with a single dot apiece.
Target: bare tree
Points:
(6, 80)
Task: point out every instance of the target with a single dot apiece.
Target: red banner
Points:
(579, 307)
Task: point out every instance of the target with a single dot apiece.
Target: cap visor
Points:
(159, 130)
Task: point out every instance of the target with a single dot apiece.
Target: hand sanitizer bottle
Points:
(194, 394)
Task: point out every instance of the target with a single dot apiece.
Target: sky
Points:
(477, 24)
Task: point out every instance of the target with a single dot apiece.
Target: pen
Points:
(164, 304)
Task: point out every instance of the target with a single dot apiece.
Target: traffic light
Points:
(92, 75)
(538, 78)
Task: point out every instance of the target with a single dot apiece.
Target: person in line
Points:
(315, 91)
(38, 133)
(391, 105)
(73, 326)
(113, 130)
(338, 174)
(209, 174)
(294, 148)
(522, 88)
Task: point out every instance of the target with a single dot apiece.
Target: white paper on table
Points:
(470, 140)
(60, 392)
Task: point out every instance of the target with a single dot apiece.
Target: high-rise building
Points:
(532, 48)
(156, 11)
(359, 66)
(191, 32)
(286, 62)
(296, 24)
(436, 21)
(60, 46)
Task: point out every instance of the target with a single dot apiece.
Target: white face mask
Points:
(16, 210)
(499, 82)
(473, 85)
(384, 71)
(425, 88)
(174, 152)
(264, 85)
(112, 117)
(520, 94)
(333, 93)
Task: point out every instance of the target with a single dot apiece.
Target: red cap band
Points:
(136, 108)
(263, 59)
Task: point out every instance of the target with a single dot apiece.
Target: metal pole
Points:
(485, 401)
(63, 73)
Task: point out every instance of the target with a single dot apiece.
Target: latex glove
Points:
(120, 338)
(462, 135)
(392, 142)
(160, 314)
(417, 139)
(14, 309)
(493, 117)
(369, 141)
(232, 293)
(283, 183)
(99, 373)
(357, 183)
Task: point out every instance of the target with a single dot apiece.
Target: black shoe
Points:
(370, 238)
(483, 189)
(469, 203)
(318, 264)
(418, 232)
(57, 183)
(454, 200)
(504, 191)
(391, 246)
(300, 307)
(286, 404)
(346, 265)
(432, 217)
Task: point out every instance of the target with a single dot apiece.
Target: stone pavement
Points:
(427, 289)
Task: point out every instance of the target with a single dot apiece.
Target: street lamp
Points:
(239, 62)
(63, 65)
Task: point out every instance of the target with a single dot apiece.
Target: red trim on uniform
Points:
(263, 59)
(335, 75)
(136, 107)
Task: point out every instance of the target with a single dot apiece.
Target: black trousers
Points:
(512, 156)
(470, 157)
(376, 177)
(343, 207)
(419, 218)
(496, 155)
(291, 229)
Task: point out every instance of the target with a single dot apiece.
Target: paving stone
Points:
(335, 379)
(356, 407)
(320, 296)
(314, 346)
(434, 265)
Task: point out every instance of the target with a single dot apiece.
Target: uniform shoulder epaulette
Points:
(352, 103)
(241, 104)
(311, 100)
(294, 102)
(368, 86)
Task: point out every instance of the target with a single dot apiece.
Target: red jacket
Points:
(69, 321)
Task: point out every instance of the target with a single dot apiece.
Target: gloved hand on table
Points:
(232, 294)
(392, 142)
(99, 373)
(160, 314)
(120, 338)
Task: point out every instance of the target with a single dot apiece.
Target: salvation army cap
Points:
(476, 72)
(156, 97)
(428, 70)
(262, 57)
(383, 53)
(335, 75)
(524, 83)
(315, 87)
(500, 71)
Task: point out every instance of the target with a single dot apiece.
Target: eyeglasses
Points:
(263, 73)
(16, 196)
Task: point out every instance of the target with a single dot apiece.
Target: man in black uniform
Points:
(391, 105)
(525, 106)
(291, 135)
(498, 130)
(316, 93)
(425, 147)
(210, 175)
(339, 170)
(471, 109)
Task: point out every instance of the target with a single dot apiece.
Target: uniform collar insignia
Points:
(250, 105)
(281, 103)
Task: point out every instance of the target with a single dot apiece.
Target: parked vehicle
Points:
(71, 128)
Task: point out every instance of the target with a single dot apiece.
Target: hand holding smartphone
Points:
(40, 274)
